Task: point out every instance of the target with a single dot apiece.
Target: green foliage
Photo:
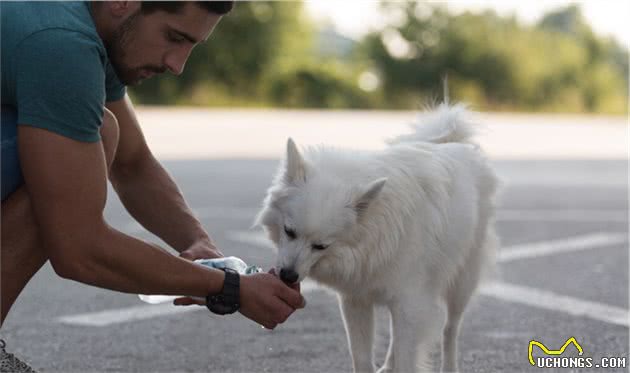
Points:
(496, 63)
(317, 87)
(269, 54)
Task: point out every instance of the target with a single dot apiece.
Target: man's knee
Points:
(109, 135)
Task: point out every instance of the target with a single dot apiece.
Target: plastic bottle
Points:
(231, 262)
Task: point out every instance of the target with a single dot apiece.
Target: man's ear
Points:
(122, 8)
(371, 190)
(295, 170)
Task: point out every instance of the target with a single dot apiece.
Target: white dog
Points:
(410, 227)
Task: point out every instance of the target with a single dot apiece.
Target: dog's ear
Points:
(295, 167)
(266, 218)
(370, 192)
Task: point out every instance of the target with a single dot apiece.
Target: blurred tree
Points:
(599, 82)
(496, 63)
(318, 86)
(268, 53)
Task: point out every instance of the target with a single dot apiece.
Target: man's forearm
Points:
(152, 197)
(119, 262)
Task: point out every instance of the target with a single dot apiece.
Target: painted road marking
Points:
(569, 215)
(561, 246)
(121, 315)
(556, 302)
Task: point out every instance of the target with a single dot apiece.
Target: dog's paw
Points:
(385, 370)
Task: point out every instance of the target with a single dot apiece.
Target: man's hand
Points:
(268, 301)
(204, 249)
(294, 286)
(264, 299)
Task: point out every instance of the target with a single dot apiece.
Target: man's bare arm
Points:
(147, 190)
(67, 183)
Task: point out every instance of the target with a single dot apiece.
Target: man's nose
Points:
(176, 59)
(289, 276)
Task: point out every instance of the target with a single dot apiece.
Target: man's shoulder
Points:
(68, 21)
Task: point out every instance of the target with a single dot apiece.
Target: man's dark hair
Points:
(216, 7)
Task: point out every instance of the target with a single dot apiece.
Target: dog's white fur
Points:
(409, 227)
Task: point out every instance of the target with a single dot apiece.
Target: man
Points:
(68, 126)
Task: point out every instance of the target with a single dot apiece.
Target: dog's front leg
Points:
(358, 317)
(416, 324)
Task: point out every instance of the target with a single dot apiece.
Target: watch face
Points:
(228, 300)
(217, 304)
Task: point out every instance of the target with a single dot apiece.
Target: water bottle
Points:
(231, 262)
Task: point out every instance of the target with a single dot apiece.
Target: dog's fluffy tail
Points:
(444, 124)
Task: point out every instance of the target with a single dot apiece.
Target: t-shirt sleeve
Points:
(115, 90)
(61, 84)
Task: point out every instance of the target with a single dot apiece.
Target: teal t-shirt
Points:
(55, 70)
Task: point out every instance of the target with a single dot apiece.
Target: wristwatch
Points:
(228, 300)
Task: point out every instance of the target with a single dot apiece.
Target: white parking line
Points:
(121, 315)
(556, 302)
(565, 245)
(542, 215)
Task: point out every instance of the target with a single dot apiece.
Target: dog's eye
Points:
(290, 232)
(319, 247)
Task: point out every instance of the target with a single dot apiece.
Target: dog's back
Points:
(441, 188)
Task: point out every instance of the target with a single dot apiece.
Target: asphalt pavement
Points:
(562, 272)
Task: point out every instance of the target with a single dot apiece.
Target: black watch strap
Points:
(228, 300)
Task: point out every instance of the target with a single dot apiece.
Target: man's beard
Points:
(115, 47)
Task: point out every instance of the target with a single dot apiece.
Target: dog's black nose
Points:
(289, 276)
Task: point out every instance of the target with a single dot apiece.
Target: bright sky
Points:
(355, 17)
